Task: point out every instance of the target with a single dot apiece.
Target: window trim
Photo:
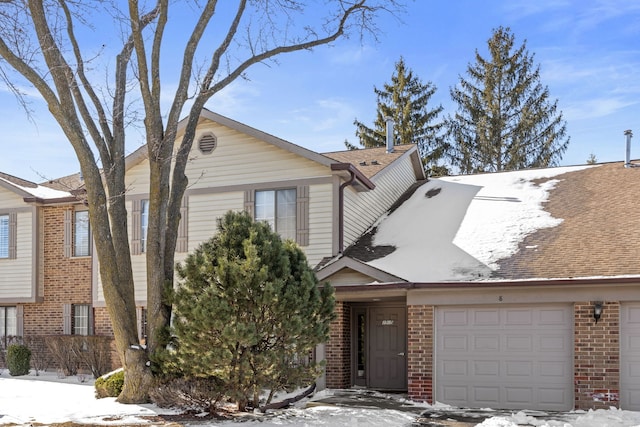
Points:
(302, 209)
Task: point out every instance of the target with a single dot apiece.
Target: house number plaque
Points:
(387, 322)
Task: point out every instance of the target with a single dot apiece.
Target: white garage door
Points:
(507, 357)
(630, 357)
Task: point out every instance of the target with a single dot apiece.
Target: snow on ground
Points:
(47, 399)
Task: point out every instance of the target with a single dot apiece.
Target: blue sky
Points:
(588, 51)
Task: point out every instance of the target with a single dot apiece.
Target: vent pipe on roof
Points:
(628, 134)
(390, 124)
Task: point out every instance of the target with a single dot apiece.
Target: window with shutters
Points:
(140, 224)
(278, 208)
(8, 323)
(81, 234)
(8, 235)
(77, 319)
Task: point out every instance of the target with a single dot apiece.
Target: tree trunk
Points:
(137, 378)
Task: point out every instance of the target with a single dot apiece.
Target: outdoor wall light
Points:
(597, 310)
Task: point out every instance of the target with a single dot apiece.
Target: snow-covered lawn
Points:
(46, 399)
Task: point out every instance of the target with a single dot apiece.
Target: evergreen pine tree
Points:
(505, 119)
(405, 100)
(248, 312)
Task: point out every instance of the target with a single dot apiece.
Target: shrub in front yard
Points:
(18, 359)
(109, 385)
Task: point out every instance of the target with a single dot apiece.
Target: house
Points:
(45, 261)
(50, 283)
(507, 290)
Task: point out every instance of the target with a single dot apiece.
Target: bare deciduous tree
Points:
(45, 44)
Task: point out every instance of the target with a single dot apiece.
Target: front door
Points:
(387, 350)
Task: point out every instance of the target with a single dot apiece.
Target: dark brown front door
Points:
(387, 351)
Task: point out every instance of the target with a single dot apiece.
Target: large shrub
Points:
(248, 312)
(18, 359)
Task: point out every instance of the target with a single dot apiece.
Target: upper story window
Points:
(8, 235)
(4, 236)
(81, 234)
(278, 208)
(144, 224)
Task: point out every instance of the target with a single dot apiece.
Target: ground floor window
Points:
(8, 323)
(81, 319)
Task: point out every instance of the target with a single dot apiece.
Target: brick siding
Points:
(596, 356)
(420, 353)
(338, 349)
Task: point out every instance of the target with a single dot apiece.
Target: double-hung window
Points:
(278, 208)
(81, 234)
(4, 236)
(8, 323)
(81, 319)
(77, 319)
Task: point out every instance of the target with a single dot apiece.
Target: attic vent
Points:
(207, 143)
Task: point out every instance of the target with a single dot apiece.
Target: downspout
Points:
(341, 210)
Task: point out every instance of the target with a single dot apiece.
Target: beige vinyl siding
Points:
(17, 281)
(361, 210)
(10, 200)
(320, 223)
(349, 277)
(204, 210)
(241, 159)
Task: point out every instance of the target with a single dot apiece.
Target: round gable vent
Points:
(207, 143)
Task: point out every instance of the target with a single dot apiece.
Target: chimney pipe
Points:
(390, 124)
(628, 134)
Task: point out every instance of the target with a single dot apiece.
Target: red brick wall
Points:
(66, 280)
(338, 349)
(420, 353)
(596, 356)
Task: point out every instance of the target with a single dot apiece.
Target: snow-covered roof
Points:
(28, 189)
(482, 227)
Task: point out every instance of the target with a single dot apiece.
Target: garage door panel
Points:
(630, 356)
(486, 318)
(518, 368)
(517, 354)
(486, 368)
(486, 396)
(455, 343)
(519, 317)
(518, 343)
(486, 343)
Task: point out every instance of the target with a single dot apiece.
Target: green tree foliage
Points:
(249, 312)
(505, 119)
(405, 99)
